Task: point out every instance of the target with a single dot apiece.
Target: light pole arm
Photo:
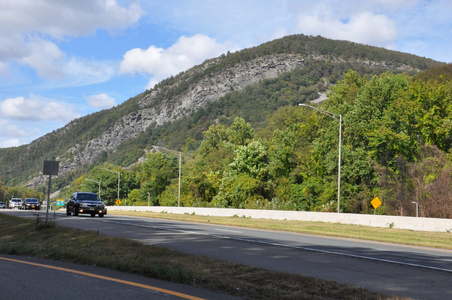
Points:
(329, 114)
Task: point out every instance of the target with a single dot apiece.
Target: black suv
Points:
(85, 203)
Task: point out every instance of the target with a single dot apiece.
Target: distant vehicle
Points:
(85, 203)
(31, 203)
(15, 203)
(2, 204)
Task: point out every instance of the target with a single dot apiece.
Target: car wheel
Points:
(101, 215)
(68, 213)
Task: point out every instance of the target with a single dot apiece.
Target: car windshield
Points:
(15, 200)
(31, 201)
(87, 197)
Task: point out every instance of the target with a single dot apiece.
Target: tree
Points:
(246, 180)
(156, 173)
(240, 133)
(432, 183)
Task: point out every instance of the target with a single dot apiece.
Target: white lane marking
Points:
(287, 246)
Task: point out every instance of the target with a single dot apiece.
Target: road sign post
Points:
(375, 203)
(50, 168)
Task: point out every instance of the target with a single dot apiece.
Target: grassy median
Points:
(21, 236)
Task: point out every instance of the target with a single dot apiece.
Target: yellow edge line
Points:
(107, 278)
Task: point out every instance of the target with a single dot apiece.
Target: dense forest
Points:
(396, 142)
(257, 148)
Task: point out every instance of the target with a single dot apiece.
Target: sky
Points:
(64, 59)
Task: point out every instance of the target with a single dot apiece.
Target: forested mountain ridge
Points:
(178, 104)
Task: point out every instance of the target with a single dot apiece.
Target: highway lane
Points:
(35, 279)
(428, 258)
(416, 272)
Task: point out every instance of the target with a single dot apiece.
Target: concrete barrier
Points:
(412, 223)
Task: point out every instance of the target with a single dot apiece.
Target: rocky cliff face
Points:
(208, 89)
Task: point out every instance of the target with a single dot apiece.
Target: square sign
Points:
(51, 167)
(376, 202)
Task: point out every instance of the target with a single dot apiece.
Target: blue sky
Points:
(64, 59)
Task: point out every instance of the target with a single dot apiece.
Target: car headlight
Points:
(83, 205)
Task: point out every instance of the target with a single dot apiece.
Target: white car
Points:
(15, 203)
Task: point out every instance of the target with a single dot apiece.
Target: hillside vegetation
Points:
(256, 148)
(396, 140)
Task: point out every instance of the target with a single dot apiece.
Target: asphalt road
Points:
(415, 272)
(28, 278)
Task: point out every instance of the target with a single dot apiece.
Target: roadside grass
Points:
(388, 234)
(21, 236)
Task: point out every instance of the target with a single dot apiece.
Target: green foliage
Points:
(20, 192)
(156, 173)
(107, 175)
(396, 130)
(441, 73)
(246, 179)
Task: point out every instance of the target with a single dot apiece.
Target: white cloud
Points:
(29, 28)
(12, 130)
(81, 72)
(65, 18)
(366, 28)
(162, 63)
(3, 69)
(9, 143)
(36, 110)
(13, 133)
(43, 56)
(101, 101)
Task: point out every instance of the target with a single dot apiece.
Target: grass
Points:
(21, 236)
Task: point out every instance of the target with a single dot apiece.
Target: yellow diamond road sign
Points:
(118, 202)
(376, 202)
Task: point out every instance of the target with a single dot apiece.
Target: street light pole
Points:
(338, 118)
(180, 167)
(119, 181)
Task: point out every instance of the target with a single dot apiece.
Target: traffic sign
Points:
(376, 202)
(118, 202)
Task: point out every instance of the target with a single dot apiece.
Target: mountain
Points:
(177, 110)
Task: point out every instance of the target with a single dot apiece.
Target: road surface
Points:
(415, 272)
